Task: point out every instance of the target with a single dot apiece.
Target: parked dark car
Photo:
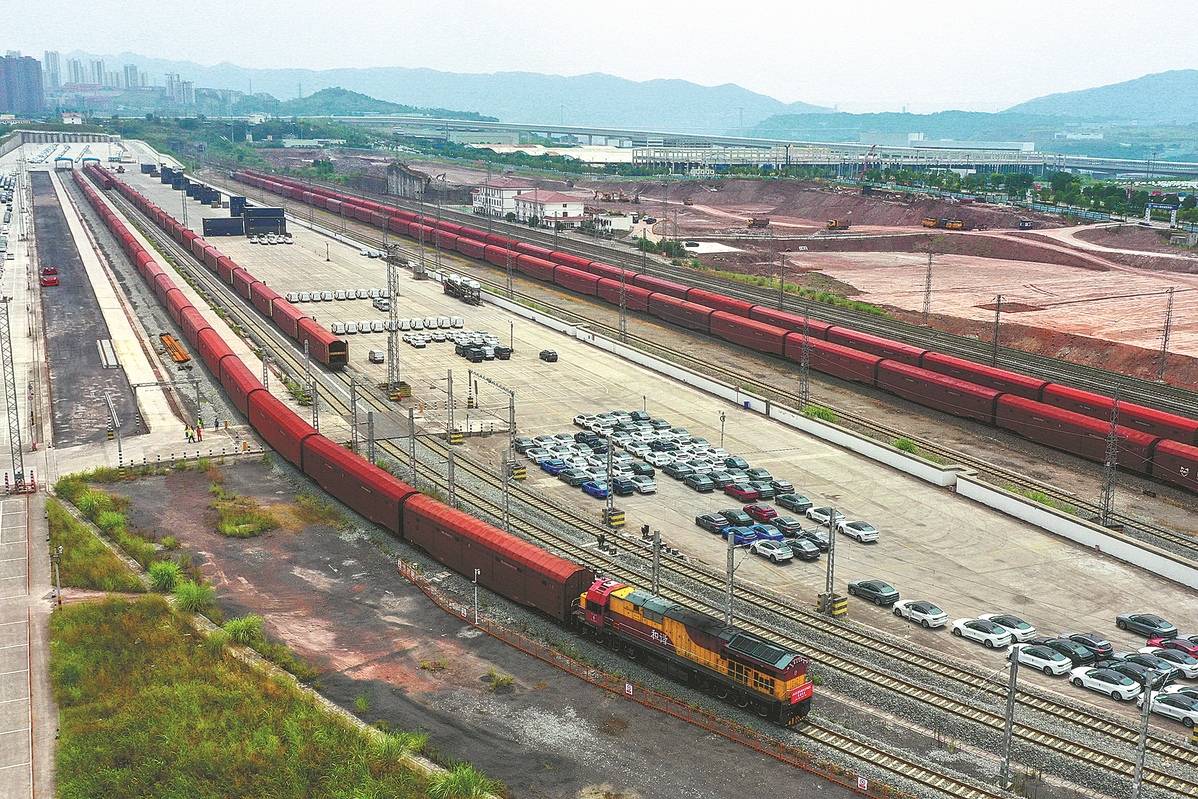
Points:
(720, 478)
(1141, 674)
(782, 487)
(794, 502)
(764, 490)
(737, 517)
(549, 356)
(1070, 649)
(623, 486)
(759, 475)
(574, 477)
(700, 482)
(879, 592)
(587, 438)
(503, 353)
(1099, 646)
(679, 471)
(524, 445)
(663, 446)
(736, 463)
(803, 549)
(1148, 625)
(788, 525)
(818, 537)
(640, 467)
(711, 522)
(639, 416)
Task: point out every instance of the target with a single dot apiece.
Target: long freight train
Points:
(730, 663)
(1152, 442)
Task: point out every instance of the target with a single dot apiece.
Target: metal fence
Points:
(786, 753)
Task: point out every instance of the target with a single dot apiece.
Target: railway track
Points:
(1175, 399)
(1157, 535)
(1120, 734)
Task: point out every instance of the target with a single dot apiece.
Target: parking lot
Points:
(931, 544)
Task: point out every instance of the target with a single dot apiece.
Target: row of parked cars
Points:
(272, 238)
(581, 459)
(1088, 658)
(339, 294)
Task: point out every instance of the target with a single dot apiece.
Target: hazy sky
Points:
(863, 55)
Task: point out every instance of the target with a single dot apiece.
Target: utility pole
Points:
(353, 410)
(392, 326)
(311, 388)
(805, 359)
(507, 481)
(57, 558)
(731, 571)
(449, 475)
(927, 292)
(656, 562)
(10, 398)
(266, 369)
(412, 443)
(370, 451)
(1137, 780)
(1160, 369)
(611, 494)
(830, 577)
(487, 196)
(1111, 462)
(1004, 772)
(997, 312)
(781, 280)
(509, 273)
(624, 308)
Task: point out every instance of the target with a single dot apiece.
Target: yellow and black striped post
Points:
(519, 472)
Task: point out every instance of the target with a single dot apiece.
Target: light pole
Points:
(477, 572)
(723, 418)
(732, 567)
(997, 314)
(1009, 724)
(1137, 781)
(57, 558)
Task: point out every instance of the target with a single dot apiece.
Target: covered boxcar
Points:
(865, 342)
(680, 312)
(1001, 379)
(1072, 432)
(1137, 417)
(833, 359)
(755, 335)
(366, 488)
(944, 393)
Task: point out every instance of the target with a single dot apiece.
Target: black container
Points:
(177, 182)
(223, 226)
(255, 227)
(236, 205)
(147, 168)
(263, 212)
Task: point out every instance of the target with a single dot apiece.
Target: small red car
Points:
(740, 492)
(1185, 644)
(49, 280)
(762, 513)
(49, 270)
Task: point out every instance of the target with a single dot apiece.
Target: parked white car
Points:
(659, 459)
(864, 532)
(1179, 707)
(1021, 632)
(983, 631)
(1105, 681)
(1183, 662)
(1043, 659)
(921, 612)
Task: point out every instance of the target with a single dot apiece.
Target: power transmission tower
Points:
(10, 399)
(623, 309)
(997, 312)
(1111, 463)
(927, 291)
(509, 273)
(1160, 369)
(805, 360)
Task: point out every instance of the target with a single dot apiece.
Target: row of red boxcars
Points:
(1152, 442)
(324, 346)
(503, 563)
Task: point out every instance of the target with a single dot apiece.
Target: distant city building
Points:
(187, 92)
(497, 197)
(95, 72)
(52, 70)
(76, 72)
(131, 79)
(72, 118)
(21, 91)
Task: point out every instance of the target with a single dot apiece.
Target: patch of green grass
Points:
(820, 412)
(241, 517)
(148, 710)
(825, 297)
(315, 511)
(194, 597)
(86, 562)
(165, 576)
(498, 680)
(462, 781)
(1042, 498)
(250, 631)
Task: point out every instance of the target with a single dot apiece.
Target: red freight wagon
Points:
(535, 267)
(333, 206)
(197, 247)
(163, 284)
(472, 248)
(895, 350)
(1072, 432)
(656, 284)
(572, 261)
(449, 227)
(535, 251)
(398, 224)
(471, 233)
(748, 333)
(307, 197)
(635, 297)
(575, 280)
(508, 565)
(176, 301)
(278, 425)
(1137, 417)
(213, 349)
(239, 382)
(449, 241)
(355, 481)
(606, 270)
(982, 375)
(324, 346)
(287, 317)
(680, 312)
(719, 302)
(242, 281)
(499, 255)
(192, 322)
(833, 359)
(1176, 463)
(378, 220)
(496, 240)
(224, 267)
(789, 321)
(186, 237)
(144, 261)
(262, 296)
(944, 393)
(359, 213)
